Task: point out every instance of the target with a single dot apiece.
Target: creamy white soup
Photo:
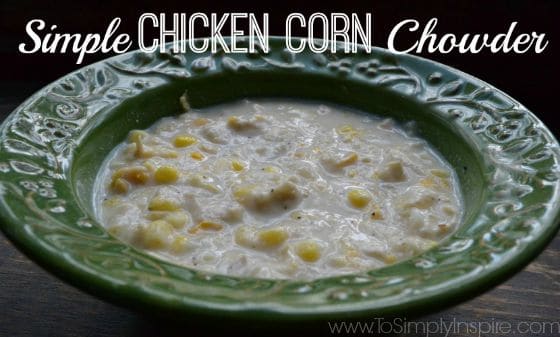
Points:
(278, 189)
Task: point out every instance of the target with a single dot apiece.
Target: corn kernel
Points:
(120, 185)
(359, 198)
(150, 166)
(200, 121)
(165, 153)
(390, 259)
(184, 101)
(428, 182)
(177, 219)
(291, 268)
(162, 204)
(437, 183)
(134, 174)
(440, 173)
(209, 257)
(166, 175)
(197, 156)
(241, 236)
(272, 237)
(184, 141)
(206, 225)
(143, 151)
(348, 131)
(430, 244)
(271, 169)
(209, 225)
(112, 202)
(156, 215)
(180, 244)
(350, 159)
(236, 165)
(116, 230)
(140, 151)
(156, 234)
(208, 149)
(383, 256)
(240, 193)
(338, 262)
(443, 228)
(393, 172)
(136, 135)
(448, 210)
(233, 121)
(351, 252)
(308, 251)
(198, 180)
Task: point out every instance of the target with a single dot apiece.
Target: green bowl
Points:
(54, 143)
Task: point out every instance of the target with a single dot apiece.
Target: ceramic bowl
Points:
(52, 147)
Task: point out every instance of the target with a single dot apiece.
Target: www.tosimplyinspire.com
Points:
(441, 327)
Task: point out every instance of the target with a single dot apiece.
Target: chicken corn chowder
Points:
(278, 189)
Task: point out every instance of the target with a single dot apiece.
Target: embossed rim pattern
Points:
(42, 215)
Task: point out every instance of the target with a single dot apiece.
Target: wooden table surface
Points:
(35, 303)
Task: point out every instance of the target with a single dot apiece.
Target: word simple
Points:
(88, 44)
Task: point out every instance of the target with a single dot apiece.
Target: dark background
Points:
(33, 303)
(530, 78)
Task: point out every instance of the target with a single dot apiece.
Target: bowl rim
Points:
(448, 82)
